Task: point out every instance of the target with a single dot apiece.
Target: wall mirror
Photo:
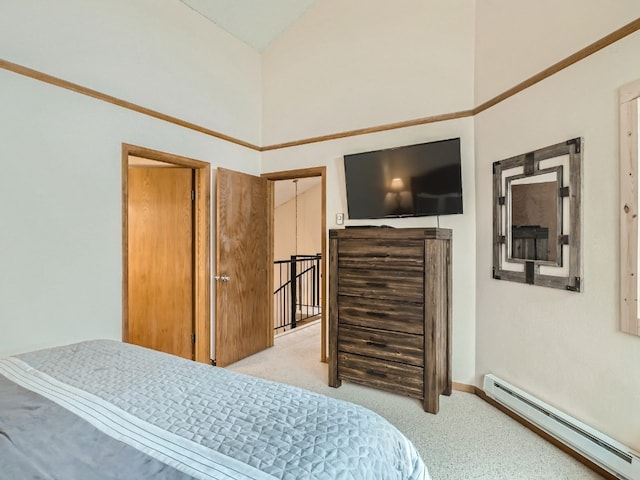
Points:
(537, 218)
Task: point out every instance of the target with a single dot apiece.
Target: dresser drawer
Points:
(403, 317)
(392, 376)
(385, 284)
(393, 346)
(407, 255)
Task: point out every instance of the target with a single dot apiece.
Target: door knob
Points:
(223, 278)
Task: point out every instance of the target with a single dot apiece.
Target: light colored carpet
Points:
(467, 440)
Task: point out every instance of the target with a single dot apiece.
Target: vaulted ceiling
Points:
(255, 22)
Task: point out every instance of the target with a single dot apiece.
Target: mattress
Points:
(105, 409)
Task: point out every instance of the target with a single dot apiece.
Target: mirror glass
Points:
(534, 218)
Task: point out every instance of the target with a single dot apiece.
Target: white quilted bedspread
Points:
(283, 431)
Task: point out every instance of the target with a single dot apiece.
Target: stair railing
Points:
(298, 295)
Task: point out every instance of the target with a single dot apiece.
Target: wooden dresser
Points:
(390, 310)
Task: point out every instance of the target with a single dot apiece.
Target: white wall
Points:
(60, 186)
(563, 347)
(516, 40)
(362, 63)
(158, 53)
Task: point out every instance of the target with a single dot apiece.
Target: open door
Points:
(244, 284)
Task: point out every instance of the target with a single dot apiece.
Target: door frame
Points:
(305, 173)
(201, 238)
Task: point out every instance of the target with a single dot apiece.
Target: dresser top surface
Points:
(391, 233)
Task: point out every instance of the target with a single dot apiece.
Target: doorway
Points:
(290, 176)
(171, 172)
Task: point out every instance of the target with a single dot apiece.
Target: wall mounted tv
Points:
(409, 181)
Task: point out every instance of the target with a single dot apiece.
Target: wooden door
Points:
(160, 267)
(243, 255)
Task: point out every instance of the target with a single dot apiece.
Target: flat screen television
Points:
(409, 181)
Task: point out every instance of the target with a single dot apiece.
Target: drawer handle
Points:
(376, 374)
(378, 314)
(376, 344)
(376, 285)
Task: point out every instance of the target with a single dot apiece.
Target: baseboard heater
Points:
(611, 455)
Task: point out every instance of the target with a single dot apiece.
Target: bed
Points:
(108, 410)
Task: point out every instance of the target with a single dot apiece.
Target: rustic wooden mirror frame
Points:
(564, 161)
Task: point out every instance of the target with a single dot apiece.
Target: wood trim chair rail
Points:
(596, 46)
(74, 87)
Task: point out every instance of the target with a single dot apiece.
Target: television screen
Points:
(414, 180)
